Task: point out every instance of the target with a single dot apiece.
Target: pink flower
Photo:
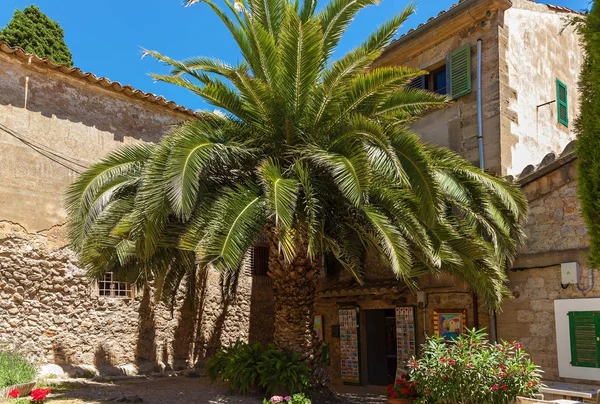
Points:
(276, 399)
(287, 398)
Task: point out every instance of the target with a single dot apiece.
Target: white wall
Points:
(563, 338)
(540, 50)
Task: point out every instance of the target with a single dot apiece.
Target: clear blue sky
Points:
(106, 37)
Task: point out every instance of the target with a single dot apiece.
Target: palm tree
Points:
(316, 155)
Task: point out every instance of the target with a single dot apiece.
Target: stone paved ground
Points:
(175, 390)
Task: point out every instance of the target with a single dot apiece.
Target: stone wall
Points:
(48, 310)
(47, 307)
(456, 126)
(556, 234)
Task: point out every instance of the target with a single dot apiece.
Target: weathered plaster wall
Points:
(456, 126)
(47, 308)
(71, 118)
(556, 233)
(536, 49)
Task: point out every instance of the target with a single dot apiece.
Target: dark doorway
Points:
(381, 346)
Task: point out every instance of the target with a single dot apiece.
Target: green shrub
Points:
(282, 370)
(237, 365)
(470, 369)
(15, 369)
(245, 366)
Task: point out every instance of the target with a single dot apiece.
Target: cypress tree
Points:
(588, 130)
(36, 33)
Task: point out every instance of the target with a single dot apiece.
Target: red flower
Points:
(405, 391)
(427, 391)
(14, 393)
(504, 387)
(39, 394)
(495, 387)
(390, 388)
(394, 394)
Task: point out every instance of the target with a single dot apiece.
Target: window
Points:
(109, 287)
(459, 71)
(453, 78)
(260, 259)
(584, 329)
(562, 102)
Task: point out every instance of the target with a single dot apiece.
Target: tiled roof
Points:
(94, 80)
(549, 163)
(465, 4)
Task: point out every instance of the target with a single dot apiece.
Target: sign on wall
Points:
(405, 336)
(349, 346)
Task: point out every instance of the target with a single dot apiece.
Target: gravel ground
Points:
(175, 390)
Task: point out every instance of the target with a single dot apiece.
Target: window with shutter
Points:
(584, 328)
(562, 102)
(417, 82)
(460, 71)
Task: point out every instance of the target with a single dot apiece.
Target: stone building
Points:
(54, 122)
(512, 69)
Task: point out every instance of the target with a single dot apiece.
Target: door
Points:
(377, 367)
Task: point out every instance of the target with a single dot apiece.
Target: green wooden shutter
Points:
(460, 71)
(562, 101)
(584, 327)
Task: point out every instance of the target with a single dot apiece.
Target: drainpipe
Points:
(590, 282)
(492, 314)
(27, 84)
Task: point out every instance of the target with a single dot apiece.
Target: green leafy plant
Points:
(237, 365)
(245, 366)
(295, 399)
(470, 369)
(15, 369)
(282, 370)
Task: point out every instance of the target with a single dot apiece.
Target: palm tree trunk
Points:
(294, 290)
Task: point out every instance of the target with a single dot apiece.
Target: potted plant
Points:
(402, 391)
(17, 374)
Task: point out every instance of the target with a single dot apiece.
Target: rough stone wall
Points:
(47, 308)
(556, 233)
(49, 312)
(536, 49)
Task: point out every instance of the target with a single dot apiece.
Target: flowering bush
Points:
(403, 388)
(295, 399)
(470, 369)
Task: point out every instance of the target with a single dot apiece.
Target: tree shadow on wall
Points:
(104, 362)
(145, 354)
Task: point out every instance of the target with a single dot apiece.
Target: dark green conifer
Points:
(36, 33)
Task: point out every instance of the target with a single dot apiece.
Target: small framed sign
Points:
(318, 326)
(449, 324)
